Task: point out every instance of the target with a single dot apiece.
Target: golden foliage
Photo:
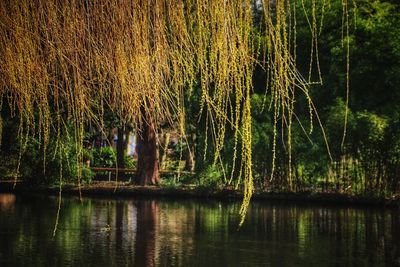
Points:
(71, 60)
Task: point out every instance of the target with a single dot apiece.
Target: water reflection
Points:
(102, 232)
(146, 233)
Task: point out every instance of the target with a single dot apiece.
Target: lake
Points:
(161, 232)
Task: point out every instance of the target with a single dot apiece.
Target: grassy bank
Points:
(112, 189)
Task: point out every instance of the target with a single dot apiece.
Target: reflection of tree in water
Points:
(175, 233)
(119, 216)
(145, 233)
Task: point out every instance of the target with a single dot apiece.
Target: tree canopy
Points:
(70, 60)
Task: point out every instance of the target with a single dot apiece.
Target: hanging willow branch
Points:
(70, 60)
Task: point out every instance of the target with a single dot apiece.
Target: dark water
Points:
(137, 232)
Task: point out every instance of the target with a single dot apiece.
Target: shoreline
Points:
(109, 189)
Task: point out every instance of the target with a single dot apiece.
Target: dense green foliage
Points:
(367, 160)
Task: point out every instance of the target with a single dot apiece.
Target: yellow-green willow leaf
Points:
(68, 61)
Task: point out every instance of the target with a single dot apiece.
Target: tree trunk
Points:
(189, 162)
(147, 165)
(163, 158)
(120, 151)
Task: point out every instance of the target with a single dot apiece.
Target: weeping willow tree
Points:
(66, 62)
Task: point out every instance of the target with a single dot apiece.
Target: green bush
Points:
(104, 157)
(46, 163)
(211, 177)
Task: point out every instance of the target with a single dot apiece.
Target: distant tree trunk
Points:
(163, 158)
(189, 162)
(120, 151)
(147, 165)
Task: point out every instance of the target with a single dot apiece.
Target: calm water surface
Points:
(138, 232)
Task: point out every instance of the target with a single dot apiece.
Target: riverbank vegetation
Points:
(294, 96)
